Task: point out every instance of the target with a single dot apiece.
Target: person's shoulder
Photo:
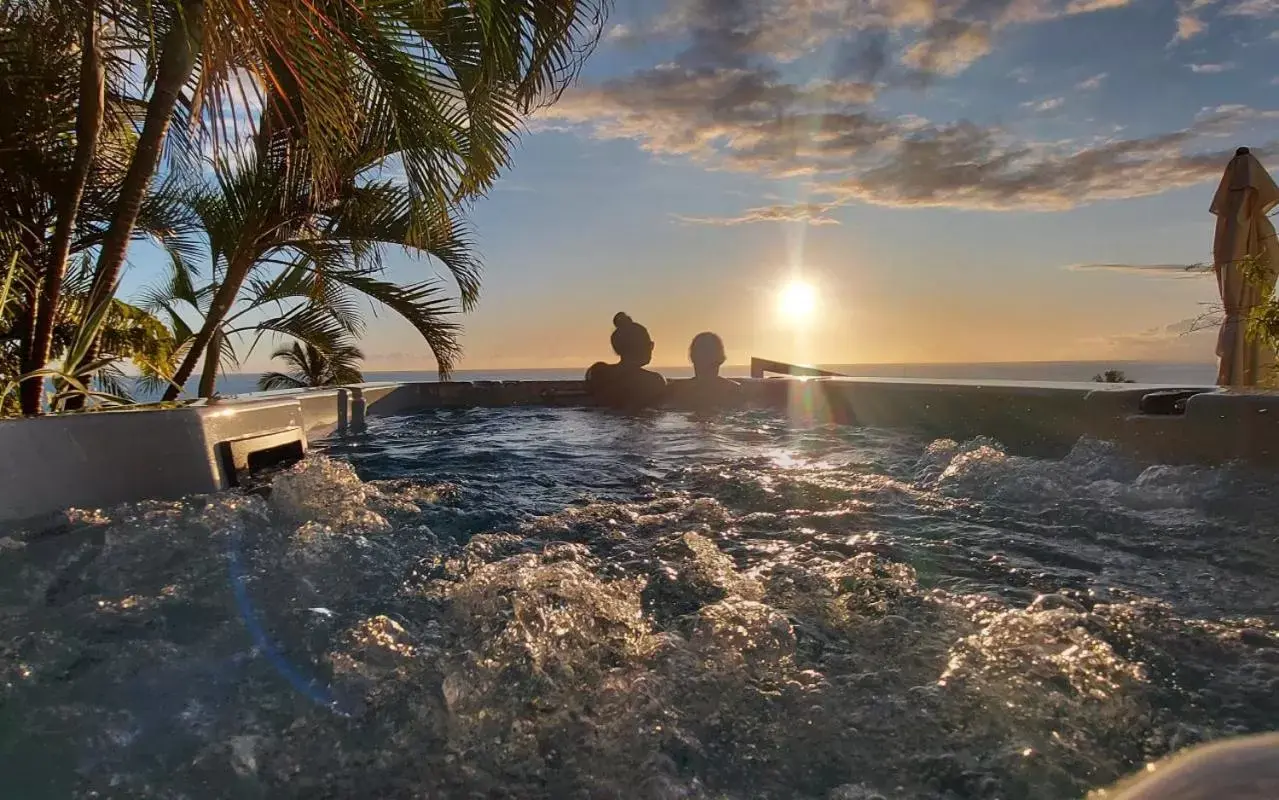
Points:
(655, 378)
(598, 370)
(679, 385)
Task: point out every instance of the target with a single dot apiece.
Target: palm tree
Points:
(313, 367)
(292, 303)
(65, 140)
(88, 124)
(446, 81)
(1111, 376)
(128, 334)
(279, 238)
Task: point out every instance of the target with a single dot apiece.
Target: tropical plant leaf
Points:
(270, 381)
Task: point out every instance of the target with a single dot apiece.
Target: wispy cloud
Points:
(1149, 270)
(904, 40)
(1093, 83)
(1088, 6)
(1190, 19)
(1184, 339)
(1252, 8)
(1050, 104)
(949, 47)
(1211, 69)
(809, 213)
(1021, 74)
(619, 32)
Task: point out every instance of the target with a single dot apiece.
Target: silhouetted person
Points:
(627, 384)
(706, 389)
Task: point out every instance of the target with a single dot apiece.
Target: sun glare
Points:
(797, 301)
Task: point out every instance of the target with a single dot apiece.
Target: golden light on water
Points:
(797, 301)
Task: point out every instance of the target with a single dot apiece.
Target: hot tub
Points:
(536, 599)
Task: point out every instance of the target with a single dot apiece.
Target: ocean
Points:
(1149, 372)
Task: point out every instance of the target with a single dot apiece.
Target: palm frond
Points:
(314, 366)
(310, 324)
(270, 381)
(384, 213)
(423, 305)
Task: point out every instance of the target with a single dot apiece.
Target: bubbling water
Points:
(822, 614)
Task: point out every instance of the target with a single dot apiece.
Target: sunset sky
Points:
(982, 180)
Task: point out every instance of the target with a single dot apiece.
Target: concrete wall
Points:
(100, 459)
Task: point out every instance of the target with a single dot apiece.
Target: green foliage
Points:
(1111, 376)
(294, 259)
(130, 335)
(318, 100)
(314, 367)
(1263, 320)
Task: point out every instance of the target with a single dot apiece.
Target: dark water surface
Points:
(564, 603)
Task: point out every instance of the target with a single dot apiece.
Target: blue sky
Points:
(978, 180)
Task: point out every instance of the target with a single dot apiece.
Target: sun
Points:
(797, 300)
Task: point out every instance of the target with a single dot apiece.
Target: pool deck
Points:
(93, 460)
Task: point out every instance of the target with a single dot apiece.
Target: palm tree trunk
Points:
(223, 299)
(26, 323)
(27, 290)
(88, 125)
(212, 360)
(178, 56)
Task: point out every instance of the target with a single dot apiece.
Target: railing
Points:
(761, 365)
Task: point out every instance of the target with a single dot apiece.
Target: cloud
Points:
(966, 166)
(1088, 6)
(1051, 104)
(619, 33)
(1092, 83)
(1186, 339)
(1021, 74)
(1211, 69)
(1252, 8)
(1188, 27)
(751, 120)
(724, 102)
(1149, 270)
(1190, 20)
(742, 119)
(949, 46)
(809, 213)
(935, 37)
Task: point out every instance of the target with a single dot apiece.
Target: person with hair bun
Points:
(627, 384)
(706, 389)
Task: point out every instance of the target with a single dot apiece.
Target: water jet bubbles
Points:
(324, 496)
(745, 632)
(737, 628)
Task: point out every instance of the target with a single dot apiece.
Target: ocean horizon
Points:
(1146, 372)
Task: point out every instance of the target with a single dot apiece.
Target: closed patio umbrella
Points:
(1243, 198)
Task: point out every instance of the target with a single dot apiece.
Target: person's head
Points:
(707, 353)
(631, 341)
